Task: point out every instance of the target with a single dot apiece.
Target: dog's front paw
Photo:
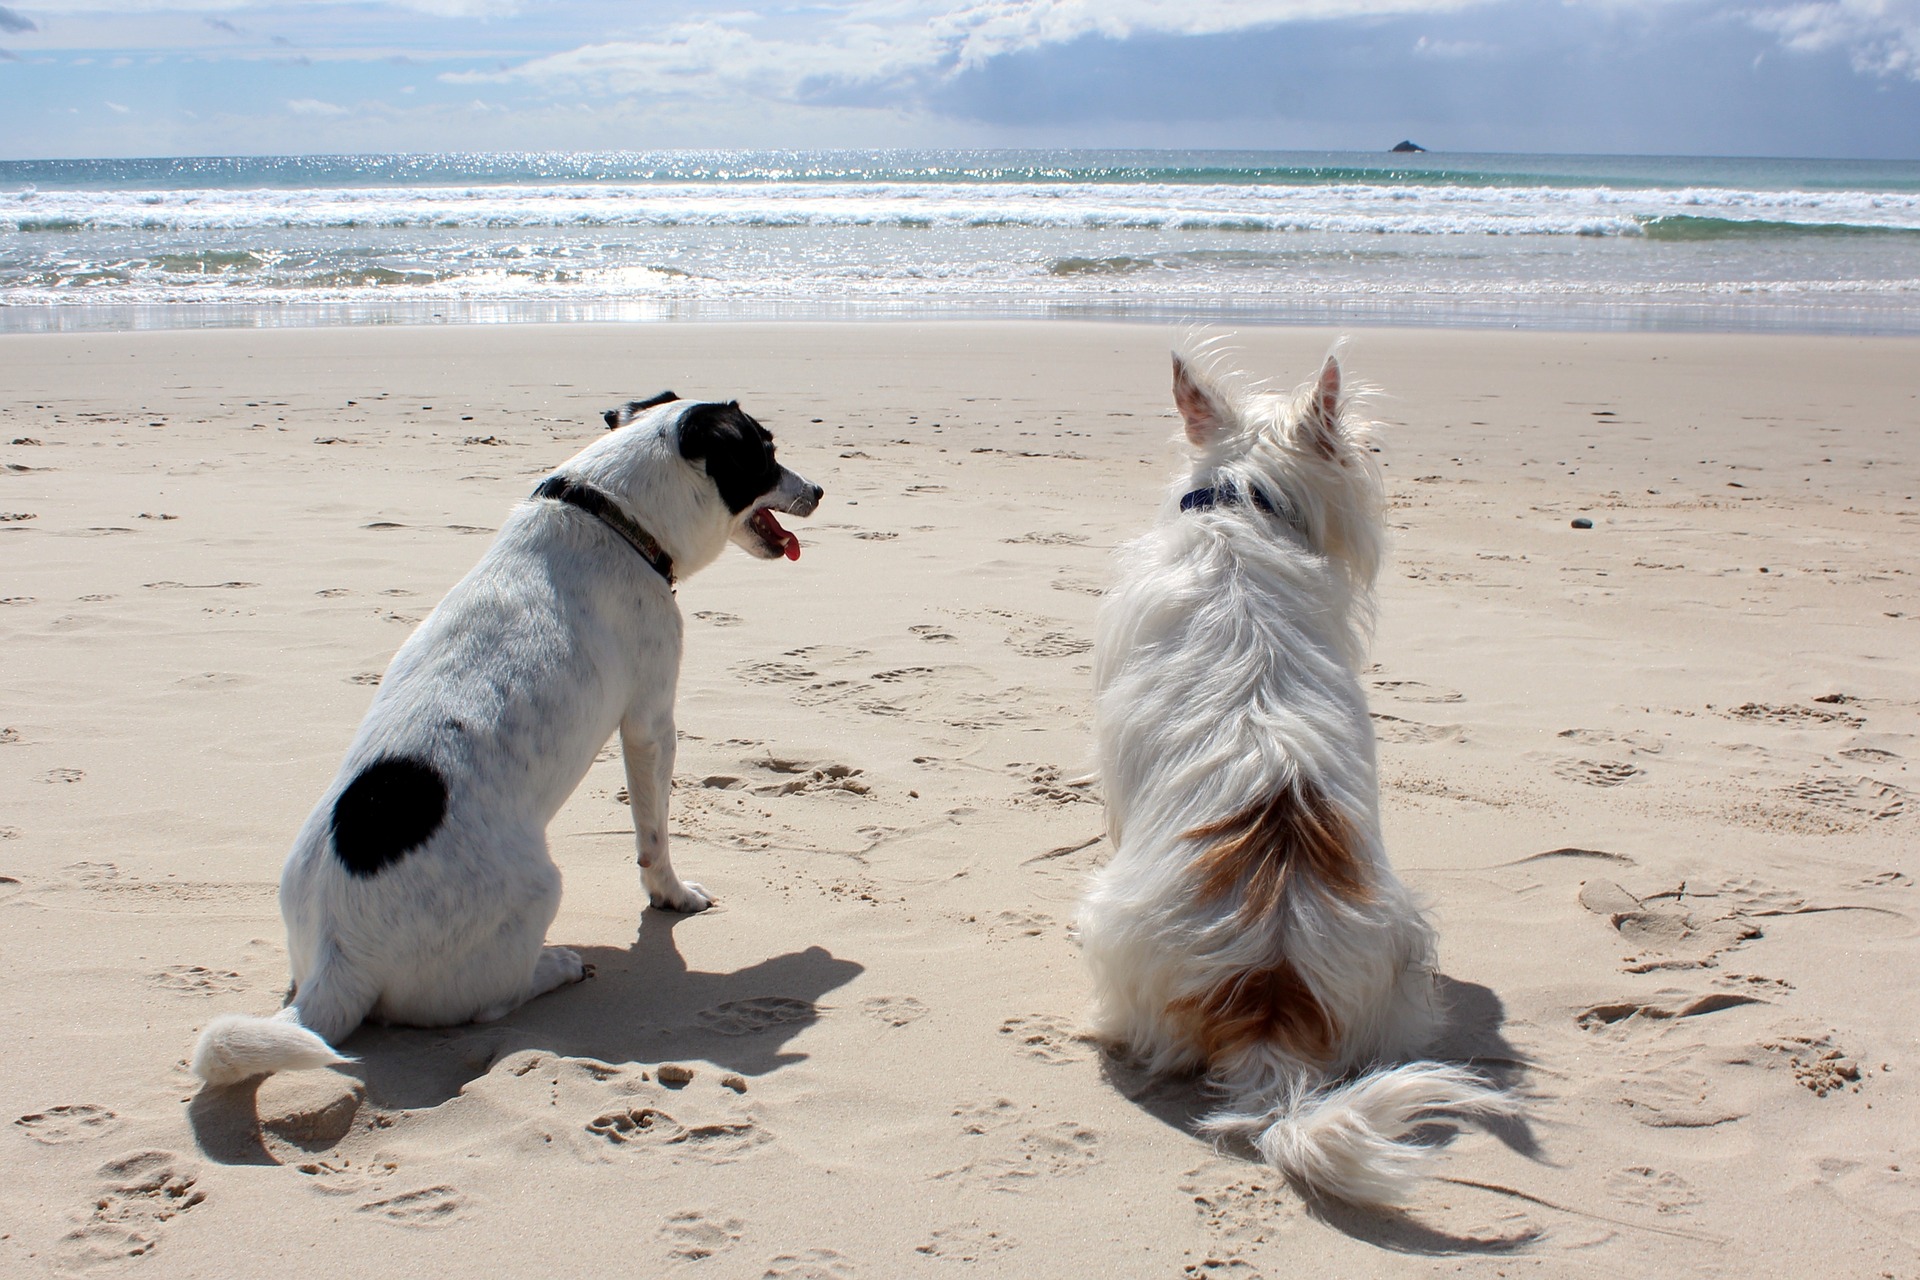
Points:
(685, 897)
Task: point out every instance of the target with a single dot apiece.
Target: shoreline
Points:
(1656, 777)
(1690, 315)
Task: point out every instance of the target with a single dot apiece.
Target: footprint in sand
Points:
(1635, 1013)
(933, 633)
(1005, 925)
(965, 1242)
(715, 1142)
(62, 775)
(1633, 741)
(718, 618)
(1664, 933)
(1882, 1191)
(1644, 1187)
(760, 1013)
(895, 1011)
(1818, 1065)
(198, 980)
(1051, 644)
(1666, 1092)
(1416, 691)
(143, 1192)
(1045, 785)
(1237, 1202)
(73, 1122)
(1412, 733)
(1597, 773)
(693, 1234)
(1868, 755)
(1864, 797)
(809, 1264)
(1793, 716)
(1078, 586)
(1047, 1037)
(1014, 1151)
(776, 673)
(1049, 539)
(427, 1209)
(1224, 1268)
(807, 778)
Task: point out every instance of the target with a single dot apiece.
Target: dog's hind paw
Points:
(685, 897)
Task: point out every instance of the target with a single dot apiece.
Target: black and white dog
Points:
(420, 889)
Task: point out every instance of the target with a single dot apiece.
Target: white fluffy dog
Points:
(1249, 924)
(420, 889)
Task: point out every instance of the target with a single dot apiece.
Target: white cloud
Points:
(436, 8)
(876, 42)
(1426, 47)
(1882, 37)
(314, 107)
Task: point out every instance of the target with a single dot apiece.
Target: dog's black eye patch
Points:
(737, 451)
(619, 417)
(390, 809)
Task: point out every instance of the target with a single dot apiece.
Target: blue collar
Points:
(1227, 494)
(1224, 494)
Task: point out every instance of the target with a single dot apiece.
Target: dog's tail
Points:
(238, 1046)
(1350, 1140)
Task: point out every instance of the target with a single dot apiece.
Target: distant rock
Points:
(1408, 146)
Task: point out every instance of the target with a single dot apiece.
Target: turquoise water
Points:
(1535, 241)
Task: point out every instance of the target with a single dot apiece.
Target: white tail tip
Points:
(236, 1047)
(1350, 1141)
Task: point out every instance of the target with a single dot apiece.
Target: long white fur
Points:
(560, 635)
(1226, 669)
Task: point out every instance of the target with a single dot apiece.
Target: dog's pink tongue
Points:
(789, 545)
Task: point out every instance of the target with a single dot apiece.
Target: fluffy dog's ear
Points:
(1323, 410)
(617, 418)
(1197, 405)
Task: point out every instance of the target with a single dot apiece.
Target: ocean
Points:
(1568, 242)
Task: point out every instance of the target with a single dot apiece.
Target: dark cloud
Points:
(15, 22)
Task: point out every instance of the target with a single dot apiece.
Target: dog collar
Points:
(1227, 494)
(608, 512)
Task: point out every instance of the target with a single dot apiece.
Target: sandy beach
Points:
(1655, 777)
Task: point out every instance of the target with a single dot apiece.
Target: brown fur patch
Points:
(1265, 847)
(1259, 1006)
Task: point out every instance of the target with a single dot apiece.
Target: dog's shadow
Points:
(643, 1005)
(1474, 1037)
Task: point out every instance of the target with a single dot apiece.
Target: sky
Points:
(115, 78)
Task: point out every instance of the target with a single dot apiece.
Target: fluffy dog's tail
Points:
(238, 1046)
(1350, 1140)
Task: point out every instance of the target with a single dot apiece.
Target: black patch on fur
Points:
(613, 417)
(390, 809)
(738, 452)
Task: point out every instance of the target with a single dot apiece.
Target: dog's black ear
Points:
(1199, 408)
(632, 409)
(737, 451)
